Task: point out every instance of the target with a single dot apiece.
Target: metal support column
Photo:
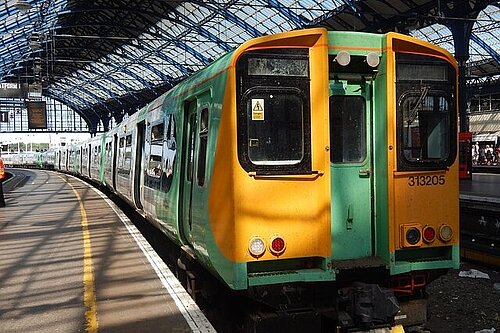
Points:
(460, 19)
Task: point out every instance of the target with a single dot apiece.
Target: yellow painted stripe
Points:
(479, 256)
(89, 299)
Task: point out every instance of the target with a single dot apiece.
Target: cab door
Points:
(187, 175)
(351, 170)
(194, 190)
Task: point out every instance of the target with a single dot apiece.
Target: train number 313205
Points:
(426, 180)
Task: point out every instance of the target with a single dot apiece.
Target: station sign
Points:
(37, 115)
(35, 91)
(4, 117)
(13, 90)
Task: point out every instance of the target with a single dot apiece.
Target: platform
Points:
(481, 185)
(70, 261)
(480, 218)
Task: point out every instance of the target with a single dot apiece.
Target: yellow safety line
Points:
(89, 298)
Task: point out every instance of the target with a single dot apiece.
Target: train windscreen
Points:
(426, 112)
(274, 135)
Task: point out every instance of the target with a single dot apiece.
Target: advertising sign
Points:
(37, 115)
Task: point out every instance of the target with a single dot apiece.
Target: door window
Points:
(347, 129)
(202, 152)
(191, 143)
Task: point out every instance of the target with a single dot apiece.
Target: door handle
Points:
(364, 173)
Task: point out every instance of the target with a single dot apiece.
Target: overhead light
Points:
(22, 5)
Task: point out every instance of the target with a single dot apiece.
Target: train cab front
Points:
(269, 202)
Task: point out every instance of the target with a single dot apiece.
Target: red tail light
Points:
(277, 246)
(429, 234)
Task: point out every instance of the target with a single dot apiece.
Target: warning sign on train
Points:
(257, 109)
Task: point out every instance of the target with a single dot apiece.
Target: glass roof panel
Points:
(128, 80)
(486, 27)
(437, 34)
(227, 31)
(193, 33)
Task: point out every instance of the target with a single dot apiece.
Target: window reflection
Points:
(426, 123)
(154, 170)
(426, 114)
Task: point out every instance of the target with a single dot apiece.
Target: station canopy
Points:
(107, 58)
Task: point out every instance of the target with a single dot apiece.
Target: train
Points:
(312, 171)
(24, 159)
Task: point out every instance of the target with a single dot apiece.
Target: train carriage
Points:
(304, 163)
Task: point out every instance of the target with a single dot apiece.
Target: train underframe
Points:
(361, 300)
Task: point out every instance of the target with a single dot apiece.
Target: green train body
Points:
(303, 158)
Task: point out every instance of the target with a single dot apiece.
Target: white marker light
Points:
(343, 58)
(257, 247)
(445, 233)
(372, 59)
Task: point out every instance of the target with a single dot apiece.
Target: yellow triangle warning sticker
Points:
(258, 107)
(257, 104)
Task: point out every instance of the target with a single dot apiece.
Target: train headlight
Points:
(445, 233)
(429, 234)
(277, 246)
(257, 247)
(411, 235)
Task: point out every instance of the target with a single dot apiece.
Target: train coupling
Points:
(366, 305)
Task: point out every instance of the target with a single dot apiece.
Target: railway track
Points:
(480, 229)
(16, 178)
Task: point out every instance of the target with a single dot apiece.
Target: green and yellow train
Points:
(304, 163)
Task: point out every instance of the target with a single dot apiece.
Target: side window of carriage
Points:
(169, 153)
(124, 155)
(98, 156)
(154, 170)
(127, 162)
(121, 151)
(109, 156)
